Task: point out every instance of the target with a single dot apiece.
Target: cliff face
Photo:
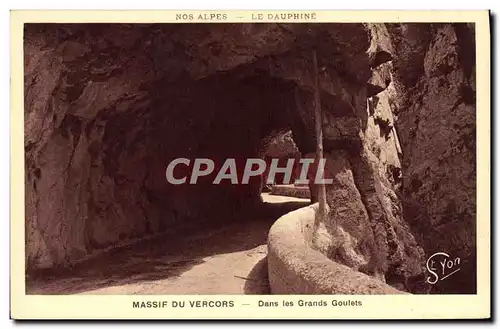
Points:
(107, 107)
(412, 180)
(436, 122)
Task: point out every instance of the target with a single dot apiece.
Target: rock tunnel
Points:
(108, 106)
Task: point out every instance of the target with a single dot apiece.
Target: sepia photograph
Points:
(108, 107)
(273, 154)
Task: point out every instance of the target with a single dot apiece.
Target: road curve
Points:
(228, 260)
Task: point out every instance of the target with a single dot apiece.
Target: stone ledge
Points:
(295, 268)
(291, 190)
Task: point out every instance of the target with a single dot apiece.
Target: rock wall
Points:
(365, 228)
(296, 268)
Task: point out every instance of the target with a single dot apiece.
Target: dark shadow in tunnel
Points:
(257, 282)
(165, 256)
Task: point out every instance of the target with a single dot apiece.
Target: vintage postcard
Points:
(250, 165)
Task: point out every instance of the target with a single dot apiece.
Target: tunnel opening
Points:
(227, 115)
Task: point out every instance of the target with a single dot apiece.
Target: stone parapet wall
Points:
(295, 268)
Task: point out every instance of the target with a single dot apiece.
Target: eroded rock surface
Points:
(437, 127)
(108, 106)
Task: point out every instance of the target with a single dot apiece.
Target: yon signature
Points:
(441, 266)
